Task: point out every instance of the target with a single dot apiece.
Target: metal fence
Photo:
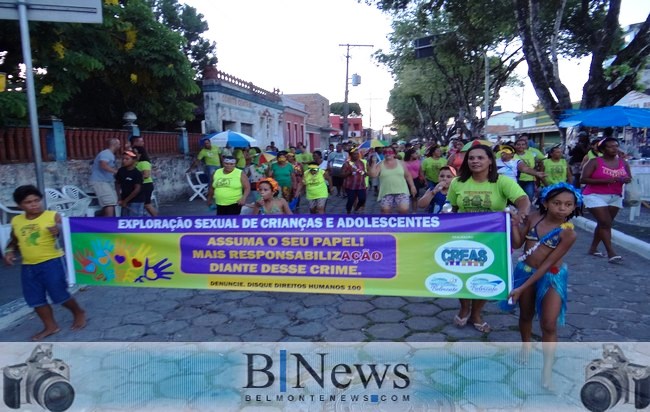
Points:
(82, 143)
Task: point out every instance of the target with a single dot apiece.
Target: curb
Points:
(627, 242)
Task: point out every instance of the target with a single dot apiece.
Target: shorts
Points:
(234, 209)
(105, 192)
(133, 210)
(595, 200)
(317, 203)
(395, 200)
(45, 277)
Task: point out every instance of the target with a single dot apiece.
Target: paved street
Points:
(606, 303)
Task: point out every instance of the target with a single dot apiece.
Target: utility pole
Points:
(346, 107)
(486, 97)
(370, 99)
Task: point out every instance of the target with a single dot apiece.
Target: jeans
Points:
(133, 210)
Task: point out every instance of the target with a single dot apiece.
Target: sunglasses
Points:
(229, 162)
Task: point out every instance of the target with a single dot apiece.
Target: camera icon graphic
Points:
(612, 380)
(41, 379)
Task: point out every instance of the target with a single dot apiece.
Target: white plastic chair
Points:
(5, 235)
(642, 182)
(154, 200)
(6, 212)
(64, 205)
(74, 192)
(5, 225)
(199, 188)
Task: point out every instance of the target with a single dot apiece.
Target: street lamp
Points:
(346, 106)
(129, 119)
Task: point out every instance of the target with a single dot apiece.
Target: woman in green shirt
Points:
(556, 167)
(144, 166)
(395, 183)
(431, 165)
(479, 188)
(283, 172)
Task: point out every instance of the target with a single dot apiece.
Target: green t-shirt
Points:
(529, 157)
(210, 157)
(316, 185)
(431, 167)
(592, 155)
(282, 174)
(472, 196)
(142, 166)
(555, 171)
(304, 157)
(241, 159)
(228, 188)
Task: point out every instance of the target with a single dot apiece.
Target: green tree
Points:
(185, 20)
(451, 82)
(337, 108)
(546, 30)
(13, 108)
(90, 74)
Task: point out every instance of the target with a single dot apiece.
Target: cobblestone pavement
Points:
(607, 302)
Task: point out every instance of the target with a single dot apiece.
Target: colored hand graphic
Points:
(157, 271)
(87, 266)
(101, 257)
(130, 261)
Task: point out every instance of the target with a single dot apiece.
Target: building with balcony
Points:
(355, 127)
(233, 104)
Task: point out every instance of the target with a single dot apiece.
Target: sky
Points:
(294, 45)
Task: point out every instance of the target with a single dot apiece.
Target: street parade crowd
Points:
(541, 191)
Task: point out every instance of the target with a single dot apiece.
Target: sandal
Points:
(460, 322)
(597, 253)
(615, 259)
(482, 327)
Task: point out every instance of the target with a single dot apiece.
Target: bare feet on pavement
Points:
(44, 334)
(79, 321)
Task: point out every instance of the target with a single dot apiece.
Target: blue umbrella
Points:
(610, 116)
(232, 139)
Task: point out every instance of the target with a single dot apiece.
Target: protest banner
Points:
(452, 255)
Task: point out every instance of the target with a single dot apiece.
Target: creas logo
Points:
(464, 256)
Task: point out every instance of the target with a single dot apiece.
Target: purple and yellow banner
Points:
(449, 255)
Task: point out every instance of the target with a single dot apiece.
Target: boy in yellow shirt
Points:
(34, 234)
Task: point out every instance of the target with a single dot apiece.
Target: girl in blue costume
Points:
(540, 276)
